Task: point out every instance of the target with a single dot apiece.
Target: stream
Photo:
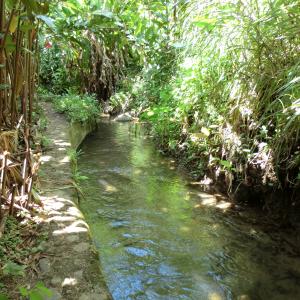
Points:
(160, 237)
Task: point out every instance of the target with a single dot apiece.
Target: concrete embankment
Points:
(70, 264)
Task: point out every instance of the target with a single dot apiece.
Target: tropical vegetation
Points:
(217, 81)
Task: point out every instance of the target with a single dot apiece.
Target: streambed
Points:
(159, 237)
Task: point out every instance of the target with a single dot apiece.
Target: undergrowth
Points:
(77, 108)
(20, 249)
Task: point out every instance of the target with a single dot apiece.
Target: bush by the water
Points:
(78, 108)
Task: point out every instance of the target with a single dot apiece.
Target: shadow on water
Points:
(161, 238)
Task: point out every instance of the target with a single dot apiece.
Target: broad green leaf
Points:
(203, 22)
(13, 269)
(107, 14)
(9, 45)
(23, 291)
(3, 297)
(27, 26)
(226, 163)
(31, 5)
(11, 3)
(47, 20)
(13, 24)
(35, 295)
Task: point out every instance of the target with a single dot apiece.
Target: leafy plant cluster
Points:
(85, 48)
(78, 108)
(54, 76)
(222, 92)
(77, 177)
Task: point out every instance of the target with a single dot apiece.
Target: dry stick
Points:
(24, 177)
(27, 161)
(20, 122)
(29, 192)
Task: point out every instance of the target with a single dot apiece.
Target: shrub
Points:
(78, 108)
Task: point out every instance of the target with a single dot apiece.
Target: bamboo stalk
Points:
(2, 181)
(13, 108)
(2, 60)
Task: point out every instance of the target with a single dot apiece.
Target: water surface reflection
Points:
(161, 238)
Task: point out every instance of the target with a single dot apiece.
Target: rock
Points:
(44, 265)
(126, 117)
(56, 281)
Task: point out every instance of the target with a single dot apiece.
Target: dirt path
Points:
(70, 267)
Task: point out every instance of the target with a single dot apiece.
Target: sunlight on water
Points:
(160, 237)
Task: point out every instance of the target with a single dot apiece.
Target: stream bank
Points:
(70, 266)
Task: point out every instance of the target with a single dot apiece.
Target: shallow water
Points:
(161, 238)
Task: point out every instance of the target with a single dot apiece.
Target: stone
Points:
(44, 265)
(56, 281)
(126, 117)
(81, 247)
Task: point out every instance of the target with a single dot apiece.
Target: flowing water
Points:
(161, 238)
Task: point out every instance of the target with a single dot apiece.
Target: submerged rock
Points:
(126, 117)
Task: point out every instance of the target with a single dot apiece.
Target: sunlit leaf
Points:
(13, 24)
(47, 20)
(107, 14)
(205, 131)
(226, 163)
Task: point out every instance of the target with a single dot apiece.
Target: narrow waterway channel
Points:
(158, 239)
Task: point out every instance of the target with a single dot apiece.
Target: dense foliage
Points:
(224, 93)
(82, 109)
(218, 80)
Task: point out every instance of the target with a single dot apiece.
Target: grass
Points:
(77, 177)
